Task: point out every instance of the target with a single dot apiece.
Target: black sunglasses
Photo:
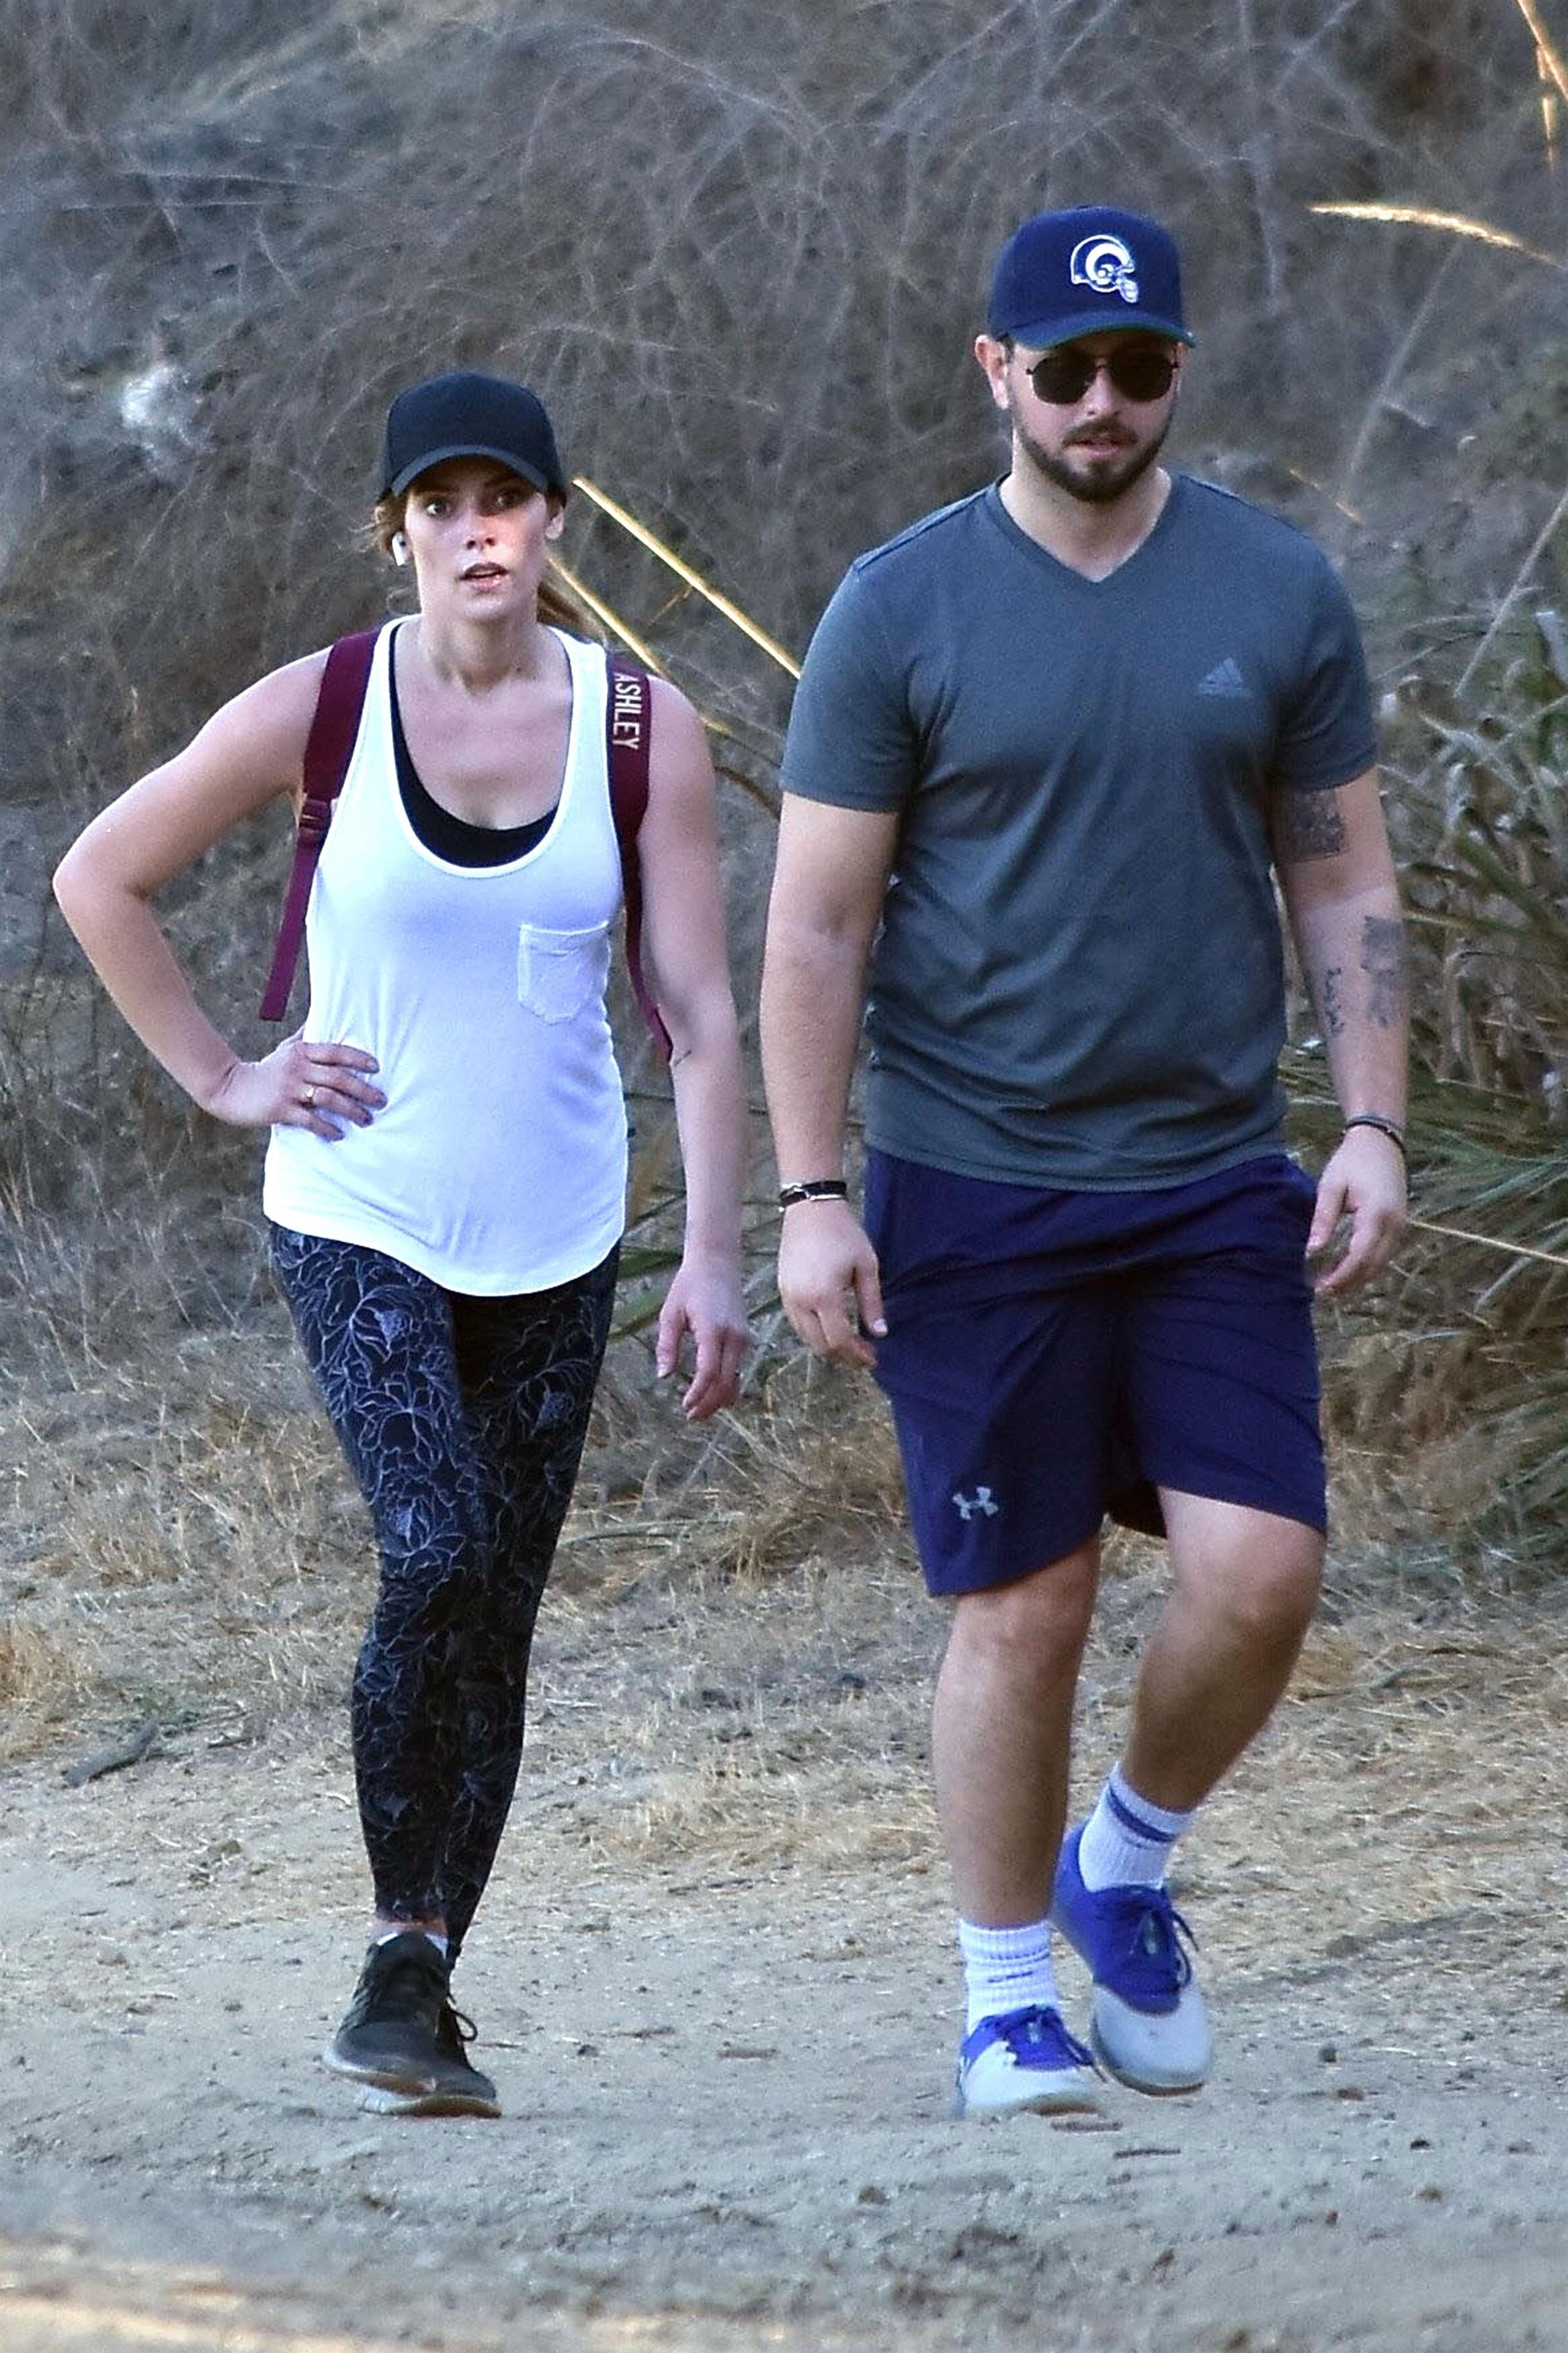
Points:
(1137, 372)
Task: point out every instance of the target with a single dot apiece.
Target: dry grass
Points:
(49, 1667)
(707, 1728)
(733, 1669)
(1439, 1744)
(753, 332)
(195, 1520)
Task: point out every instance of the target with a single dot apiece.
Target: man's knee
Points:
(1035, 1626)
(1262, 1573)
(1279, 1601)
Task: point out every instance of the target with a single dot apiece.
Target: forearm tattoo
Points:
(1307, 825)
(1328, 989)
(1383, 959)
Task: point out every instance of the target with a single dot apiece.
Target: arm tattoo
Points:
(1307, 825)
(1382, 961)
(1330, 1001)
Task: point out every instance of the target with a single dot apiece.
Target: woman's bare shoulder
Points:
(678, 742)
(280, 704)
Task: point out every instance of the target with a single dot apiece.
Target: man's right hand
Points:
(829, 1284)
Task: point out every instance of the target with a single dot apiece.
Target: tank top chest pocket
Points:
(562, 974)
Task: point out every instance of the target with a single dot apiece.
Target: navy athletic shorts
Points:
(1052, 1357)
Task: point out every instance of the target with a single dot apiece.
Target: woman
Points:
(445, 1173)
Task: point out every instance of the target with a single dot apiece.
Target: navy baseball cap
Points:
(465, 415)
(1079, 272)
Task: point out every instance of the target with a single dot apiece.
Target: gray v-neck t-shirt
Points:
(1079, 979)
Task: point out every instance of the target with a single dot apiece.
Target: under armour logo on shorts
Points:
(981, 1500)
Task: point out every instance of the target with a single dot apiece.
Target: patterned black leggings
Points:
(463, 1421)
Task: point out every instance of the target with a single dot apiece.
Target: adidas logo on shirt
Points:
(1224, 679)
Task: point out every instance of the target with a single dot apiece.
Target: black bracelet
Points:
(815, 1188)
(1389, 1127)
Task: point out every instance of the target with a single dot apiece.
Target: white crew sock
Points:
(1126, 1841)
(1006, 1969)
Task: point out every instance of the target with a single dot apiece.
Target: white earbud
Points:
(399, 547)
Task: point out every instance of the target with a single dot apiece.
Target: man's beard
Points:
(1107, 478)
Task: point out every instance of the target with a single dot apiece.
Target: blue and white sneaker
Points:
(1024, 2059)
(1147, 2024)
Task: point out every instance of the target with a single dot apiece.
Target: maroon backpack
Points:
(330, 747)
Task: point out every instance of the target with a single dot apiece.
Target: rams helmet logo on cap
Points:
(1105, 264)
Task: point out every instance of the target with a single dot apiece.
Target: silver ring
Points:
(309, 1098)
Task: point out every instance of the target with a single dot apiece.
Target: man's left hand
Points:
(1364, 1181)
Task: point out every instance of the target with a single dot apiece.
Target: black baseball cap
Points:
(1080, 271)
(465, 415)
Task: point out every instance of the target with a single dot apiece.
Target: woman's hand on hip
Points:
(705, 1301)
(301, 1083)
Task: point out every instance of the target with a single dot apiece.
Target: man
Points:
(1051, 745)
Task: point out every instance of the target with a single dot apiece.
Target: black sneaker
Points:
(402, 2039)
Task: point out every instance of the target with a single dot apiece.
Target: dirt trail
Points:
(726, 2094)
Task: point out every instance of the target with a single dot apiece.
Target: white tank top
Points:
(499, 1163)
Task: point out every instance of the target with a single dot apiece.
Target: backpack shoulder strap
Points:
(628, 732)
(328, 748)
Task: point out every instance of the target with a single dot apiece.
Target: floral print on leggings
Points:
(463, 1419)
